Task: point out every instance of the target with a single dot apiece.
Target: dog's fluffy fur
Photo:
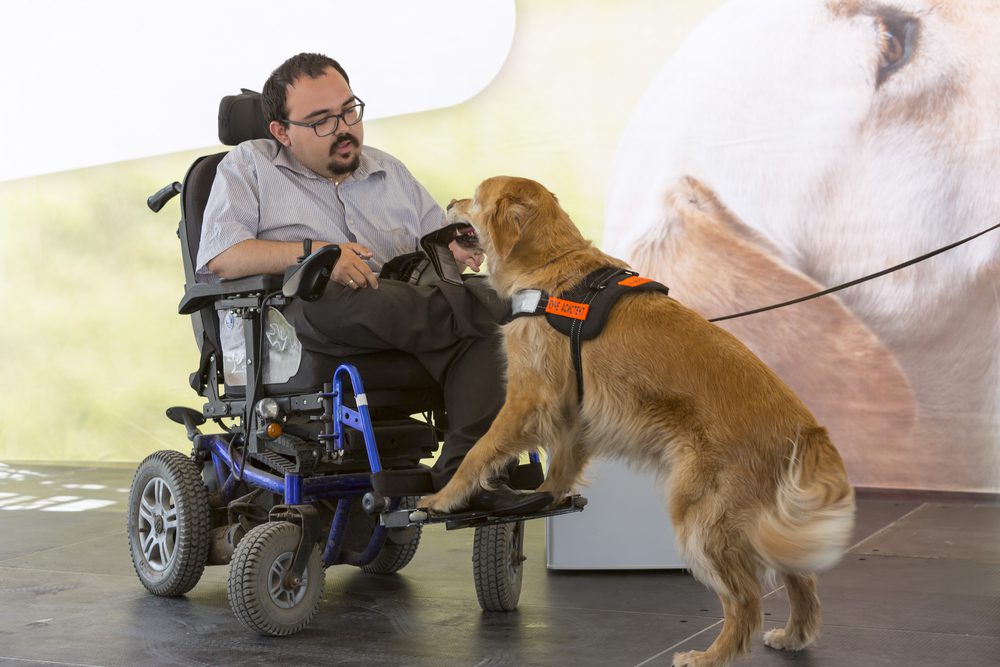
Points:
(753, 481)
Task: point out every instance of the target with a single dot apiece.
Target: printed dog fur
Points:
(753, 481)
(792, 145)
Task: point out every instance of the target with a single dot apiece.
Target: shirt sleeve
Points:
(232, 213)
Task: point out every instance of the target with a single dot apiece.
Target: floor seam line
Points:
(676, 644)
(885, 528)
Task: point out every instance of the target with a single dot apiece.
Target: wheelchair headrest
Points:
(241, 117)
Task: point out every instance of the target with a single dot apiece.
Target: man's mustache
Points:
(342, 137)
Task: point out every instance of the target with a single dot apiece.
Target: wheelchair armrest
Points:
(199, 295)
(305, 280)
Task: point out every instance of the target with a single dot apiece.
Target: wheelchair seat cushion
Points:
(389, 370)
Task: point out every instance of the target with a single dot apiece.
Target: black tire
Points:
(169, 523)
(497, 565)
(400, 546)
(258, 594)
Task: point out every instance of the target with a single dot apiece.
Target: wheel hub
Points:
(156, 525)
(286, 591)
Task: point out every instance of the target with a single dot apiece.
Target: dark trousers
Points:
(451, 330)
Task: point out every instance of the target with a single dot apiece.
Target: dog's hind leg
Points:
(741, 604)
(717, 551)
(803, 616)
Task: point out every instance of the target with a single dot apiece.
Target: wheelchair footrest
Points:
(409, 517)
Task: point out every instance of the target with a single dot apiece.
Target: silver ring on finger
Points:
(350, 281)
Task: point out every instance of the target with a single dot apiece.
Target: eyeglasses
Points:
(327, 125)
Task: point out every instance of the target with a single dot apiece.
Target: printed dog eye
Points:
(897, 37)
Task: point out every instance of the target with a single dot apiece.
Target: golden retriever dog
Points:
(792, 145)
(753, 481)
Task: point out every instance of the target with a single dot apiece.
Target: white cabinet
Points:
(624, 526)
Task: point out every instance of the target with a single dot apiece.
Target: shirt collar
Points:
(368, 165)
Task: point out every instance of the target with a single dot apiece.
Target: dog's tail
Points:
(812, 521)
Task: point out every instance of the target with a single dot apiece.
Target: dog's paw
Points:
(781, 640)
(693, 659)
(439, 503)
(559, 493)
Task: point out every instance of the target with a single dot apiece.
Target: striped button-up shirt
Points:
(262, 191)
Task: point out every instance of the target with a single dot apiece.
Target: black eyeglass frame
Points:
(359, 105)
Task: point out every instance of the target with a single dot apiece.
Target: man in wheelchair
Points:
(300, 272)
(315, 180)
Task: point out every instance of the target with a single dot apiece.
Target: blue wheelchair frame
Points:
(230, 470)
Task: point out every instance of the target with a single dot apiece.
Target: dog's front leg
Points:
(567, 459)
(514, 430)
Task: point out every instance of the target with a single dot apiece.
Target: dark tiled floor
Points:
(921, 587)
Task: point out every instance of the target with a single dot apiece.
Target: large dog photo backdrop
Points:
(793, 145)
(743, 152)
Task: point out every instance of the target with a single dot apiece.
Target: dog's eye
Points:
(897, 35)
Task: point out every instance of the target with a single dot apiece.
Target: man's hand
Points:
(351, 269)
(466, 257)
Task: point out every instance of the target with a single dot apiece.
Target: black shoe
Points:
(504, 501)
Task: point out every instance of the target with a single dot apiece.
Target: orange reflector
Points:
(273, 430)
(635, 281)
(572, 309)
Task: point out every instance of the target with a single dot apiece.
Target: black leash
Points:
(857, 281)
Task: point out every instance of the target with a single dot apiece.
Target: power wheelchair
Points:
(316, 460)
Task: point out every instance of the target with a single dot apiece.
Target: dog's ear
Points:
(504, 224)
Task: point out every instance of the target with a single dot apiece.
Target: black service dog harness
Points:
(582, 311)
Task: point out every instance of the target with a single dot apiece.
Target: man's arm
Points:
(229, 247)
(231, 222)
(258, 256)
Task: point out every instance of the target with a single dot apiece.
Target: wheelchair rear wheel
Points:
(169, 523)
(497, 565)
(260, 593)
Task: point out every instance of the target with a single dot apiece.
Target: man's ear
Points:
(280, 133)
(504, 224)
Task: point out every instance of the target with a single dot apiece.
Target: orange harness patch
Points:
(563, 308)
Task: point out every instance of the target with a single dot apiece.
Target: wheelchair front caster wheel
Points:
(260, 593)
(169, 523)
(497, 565)
(400, 545)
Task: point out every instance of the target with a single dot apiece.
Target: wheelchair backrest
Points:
(394, 380)
(241, 118)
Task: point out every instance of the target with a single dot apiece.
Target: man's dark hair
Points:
(313, 65)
